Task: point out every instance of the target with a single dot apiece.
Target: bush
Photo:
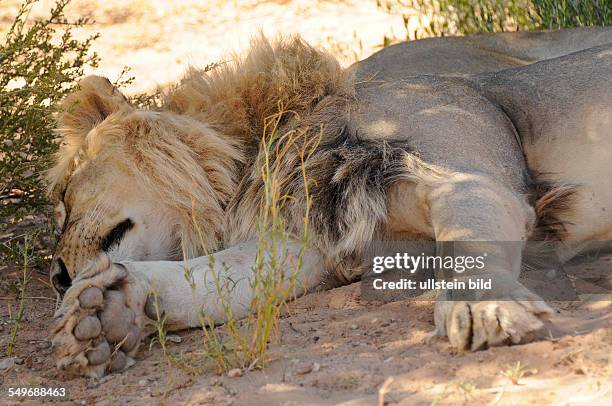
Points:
(572, 13)
(451, 17)
(40, 62)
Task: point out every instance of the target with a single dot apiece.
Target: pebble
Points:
(353, 326)
(174, 338)
(316, 367)
(304, 368)
(580, 371)
(43, 345)
(142, 382)
(6, 363)
(235, 373)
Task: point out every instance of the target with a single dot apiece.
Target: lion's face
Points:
(105, 208)
(133, 183)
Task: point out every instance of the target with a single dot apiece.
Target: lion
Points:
(489, 138)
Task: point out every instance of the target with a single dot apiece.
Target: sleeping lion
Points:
(491, 138)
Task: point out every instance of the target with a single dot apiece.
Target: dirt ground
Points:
(158, 39)
(334, 348)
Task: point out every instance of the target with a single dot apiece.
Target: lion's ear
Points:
(94, 99)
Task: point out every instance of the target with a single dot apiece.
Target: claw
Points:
(459, 326)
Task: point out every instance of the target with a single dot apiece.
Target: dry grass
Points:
(244, 343)
(517, 371)
(23, 282)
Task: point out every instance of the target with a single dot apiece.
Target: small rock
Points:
(6, 363)
(389, 359)
(18, 361)
(304, 368)
(142, 382)
(353, 326)
(43, 345)
(374, 320)
(235, 373)
(316, 367)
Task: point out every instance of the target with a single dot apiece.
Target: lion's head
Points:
(150, 185)
(133, 183)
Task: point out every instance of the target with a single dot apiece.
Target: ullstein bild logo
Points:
(432, 284)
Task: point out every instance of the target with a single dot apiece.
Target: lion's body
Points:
(482, 138)
(504, 117)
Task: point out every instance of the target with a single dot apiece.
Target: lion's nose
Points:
(60, 278)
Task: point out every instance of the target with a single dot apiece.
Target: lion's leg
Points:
(485, 217)
(111, 307)
(212, 284)
(581, 159)
(562, 110)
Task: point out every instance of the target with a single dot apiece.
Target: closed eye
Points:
(116, 234)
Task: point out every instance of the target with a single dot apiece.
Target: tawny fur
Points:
(199, 155)
(192, 153)
(236, 97)
(184, 164)
(552, 203)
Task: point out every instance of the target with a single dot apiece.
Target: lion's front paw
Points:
(479, 325)
(100, 322)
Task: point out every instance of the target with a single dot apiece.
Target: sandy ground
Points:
(158, 39)
(333, 348)
(336, 349)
